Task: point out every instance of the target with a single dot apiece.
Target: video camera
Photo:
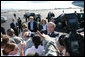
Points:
(73, 42)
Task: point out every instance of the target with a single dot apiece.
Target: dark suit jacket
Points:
(3, 30)
(53, 34)
(19, 24)
(15, 29)
(40, 27)
(34, 27)
(13, 26)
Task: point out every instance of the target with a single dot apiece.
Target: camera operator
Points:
(61, 46)
(74, 42)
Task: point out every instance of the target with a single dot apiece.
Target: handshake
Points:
(29, 34)
(26, 34)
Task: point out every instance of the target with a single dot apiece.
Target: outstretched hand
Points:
(26, 34)
(22, 47)
(42, 35)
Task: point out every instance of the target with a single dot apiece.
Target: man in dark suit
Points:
(14, 26)
(51, 30)
(53, 34)
(14, 15)
(32, 25)
(3, 30)
(50, 14)
(19, 22)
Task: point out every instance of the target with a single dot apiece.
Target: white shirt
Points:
(39, 50)
(44, 27)
(31, 25)
(49, 33)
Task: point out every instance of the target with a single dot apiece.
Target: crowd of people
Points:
(36, 39)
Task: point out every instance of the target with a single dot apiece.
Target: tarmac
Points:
(43, 13)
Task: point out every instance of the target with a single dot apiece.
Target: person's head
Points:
(43, 21)
(18, 19)
(31, 18)
(75, 12)
(13, 20)
(61, 40)
(63, 11)
(10, 32)
(11, 48)
(50, 27)
(49, 11)
(5, 40)
(24, 26)
(52, 18)
(36, 40)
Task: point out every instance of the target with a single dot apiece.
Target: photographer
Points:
(61, 46)
(74, 42)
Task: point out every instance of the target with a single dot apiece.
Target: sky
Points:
(35, 4)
